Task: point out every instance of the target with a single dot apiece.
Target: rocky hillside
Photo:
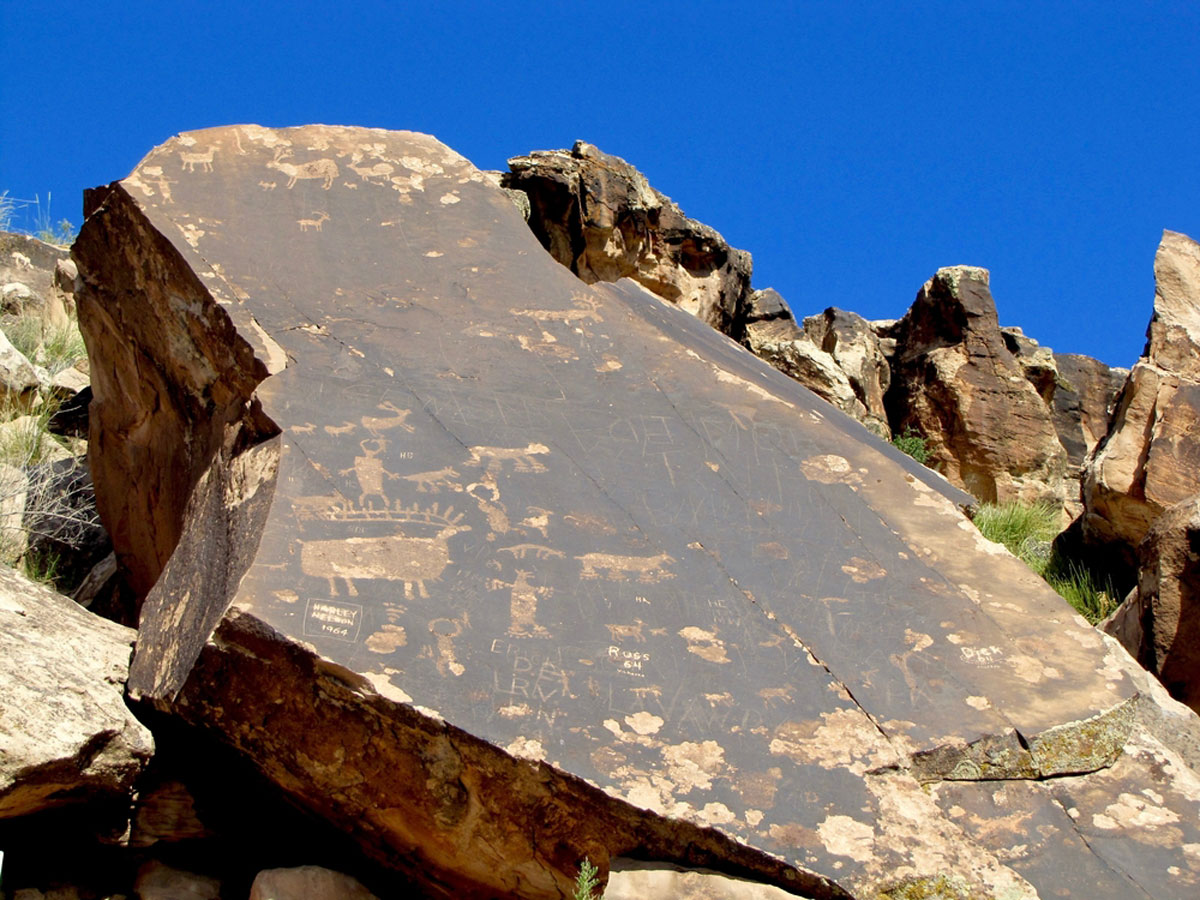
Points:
(453, 567)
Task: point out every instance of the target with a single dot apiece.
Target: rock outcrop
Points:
(955, 381)
(598, 216)
(1169, 596)
(1083, 403)
(66, 735)
(854, 346)
(496, 571)
(1150, 459)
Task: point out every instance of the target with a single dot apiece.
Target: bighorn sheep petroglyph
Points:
(316, 168)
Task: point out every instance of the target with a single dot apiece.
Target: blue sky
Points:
(852, 148)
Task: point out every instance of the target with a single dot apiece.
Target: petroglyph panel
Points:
(575, 522)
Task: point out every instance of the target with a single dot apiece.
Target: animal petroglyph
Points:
(583, 310)
(377, 424)
(648, 569)
(414, 557)
(538, 519)
(189, 161)
(321, 218)
(540, 551)
(432, 482)
(624, 632)
(522, 458)
(379, 170)
(523, 604)
(317, 168)
(369, 471)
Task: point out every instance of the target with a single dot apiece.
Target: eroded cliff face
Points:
(956, 382)
(496, 571)
(598, 216)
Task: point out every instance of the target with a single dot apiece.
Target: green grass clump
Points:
(912, 443)
(1028, 531)
(52, 347)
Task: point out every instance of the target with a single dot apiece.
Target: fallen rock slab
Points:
(497, 571)
(66, 735)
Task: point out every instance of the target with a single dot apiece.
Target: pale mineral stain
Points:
(1132, 811)
(644, 722)
(527, 748)
(382, 682)
(844, 836)
(692, 764)
(387, 639)
(979, 702)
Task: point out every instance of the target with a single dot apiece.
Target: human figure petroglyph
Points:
(522, 458)
(377, 424)
(155, 175)
(523, 604)
(369, 471)
(188, 161)
(321, 218)
(316, 168)
(432, 482)
(444, 632)
(540, 551)
(486, 495)
(648, 569)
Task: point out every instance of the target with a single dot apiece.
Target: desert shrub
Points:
(912, 443)
(586, 882)
(1028, 531)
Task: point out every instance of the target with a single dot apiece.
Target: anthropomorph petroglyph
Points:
(486, 495)
(648, 569)
(539, 551)
(523, 604)
(369, 471)
(444, 632)
(522, 458)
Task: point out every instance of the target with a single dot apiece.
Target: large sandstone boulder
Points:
(1150, 459)
(599, 217)
(956, 382)
(66, 735)
(496, 571)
